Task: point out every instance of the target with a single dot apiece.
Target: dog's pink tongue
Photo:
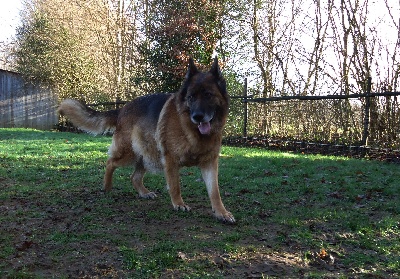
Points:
(204, 128)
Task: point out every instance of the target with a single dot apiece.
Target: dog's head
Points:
(204, 96)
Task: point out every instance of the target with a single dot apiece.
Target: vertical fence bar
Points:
(365, 135)
(245, 108)
(117, 102)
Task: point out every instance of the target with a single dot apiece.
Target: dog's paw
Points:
(149, 195)
(181, 207)
(226, 217)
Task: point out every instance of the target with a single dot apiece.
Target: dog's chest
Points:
(197, 155)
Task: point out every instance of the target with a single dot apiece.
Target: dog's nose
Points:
(198, 117)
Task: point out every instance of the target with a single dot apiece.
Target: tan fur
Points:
(166, 143)
(85, 119)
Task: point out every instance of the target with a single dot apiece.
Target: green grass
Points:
(56, 221)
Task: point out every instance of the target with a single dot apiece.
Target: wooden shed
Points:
(26, 105)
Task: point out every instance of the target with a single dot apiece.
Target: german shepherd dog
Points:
(164, 132)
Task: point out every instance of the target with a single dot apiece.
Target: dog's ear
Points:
(192, 69)
(216, 72)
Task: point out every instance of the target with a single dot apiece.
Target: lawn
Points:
(298, 216)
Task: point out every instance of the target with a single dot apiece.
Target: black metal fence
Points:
(310, 121)
(373, 119)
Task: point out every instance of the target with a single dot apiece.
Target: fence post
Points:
(117, 102)
(365, 135)
(245, 108)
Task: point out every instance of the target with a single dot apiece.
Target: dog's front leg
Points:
(171, 170)
(210, 176)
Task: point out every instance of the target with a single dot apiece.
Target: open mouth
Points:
(204, 128)
(203, 122)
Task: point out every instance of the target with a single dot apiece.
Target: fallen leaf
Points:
(244, 191)
(25, 245)
(182, 256)
(227, 194)
(360, 197)
(268, 173)
(336, 195)
(323, 254)
(220, 262)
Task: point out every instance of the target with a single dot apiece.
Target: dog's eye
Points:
(208, 94)
(189, 98)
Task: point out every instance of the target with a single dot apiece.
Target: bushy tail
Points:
(87, 119)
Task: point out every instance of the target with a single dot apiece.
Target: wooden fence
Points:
(26, 105)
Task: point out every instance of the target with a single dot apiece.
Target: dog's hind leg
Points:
(137, 182)
(118, 157)
(110, 168)
(111, 165)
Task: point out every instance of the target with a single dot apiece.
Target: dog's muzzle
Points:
(203, 121)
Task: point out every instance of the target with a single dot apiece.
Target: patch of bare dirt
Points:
(51, 237)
